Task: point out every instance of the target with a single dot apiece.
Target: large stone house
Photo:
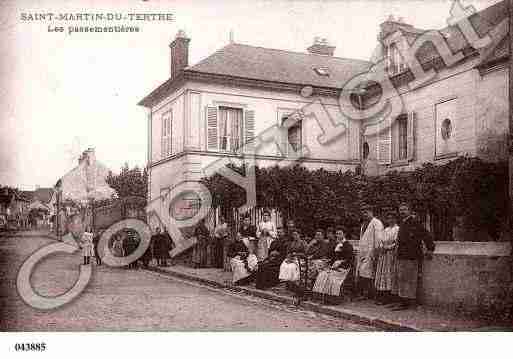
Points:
(463, 110)
(211, 109)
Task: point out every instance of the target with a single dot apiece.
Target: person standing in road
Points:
(410, 253)
(96, 241)
(87, 245)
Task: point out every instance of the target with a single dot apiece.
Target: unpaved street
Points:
(137, 300)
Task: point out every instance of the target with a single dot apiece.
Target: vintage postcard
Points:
(277, 166)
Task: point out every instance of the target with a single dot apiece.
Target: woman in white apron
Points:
(266, 234)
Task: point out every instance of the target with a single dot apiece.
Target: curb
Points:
(24, 235)
(352, 316)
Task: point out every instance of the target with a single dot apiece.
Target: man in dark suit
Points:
(409, 256)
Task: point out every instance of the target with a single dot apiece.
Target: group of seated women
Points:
(325, 261)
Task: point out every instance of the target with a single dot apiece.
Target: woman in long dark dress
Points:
(199, 253)
(269, 269)
(165, 246)
(221, 237)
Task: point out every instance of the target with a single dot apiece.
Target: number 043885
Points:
(30, 347)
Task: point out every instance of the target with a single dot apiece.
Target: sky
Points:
(61, 93)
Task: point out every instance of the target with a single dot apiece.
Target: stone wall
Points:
(470, 276)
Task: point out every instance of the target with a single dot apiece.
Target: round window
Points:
(446, 129)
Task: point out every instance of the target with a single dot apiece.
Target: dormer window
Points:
(322, 71)
(395, 63)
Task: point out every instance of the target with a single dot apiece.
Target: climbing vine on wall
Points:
(466, 188)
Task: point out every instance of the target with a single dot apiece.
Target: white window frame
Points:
(229, 136)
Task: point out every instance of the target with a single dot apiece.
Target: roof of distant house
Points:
(44, 195)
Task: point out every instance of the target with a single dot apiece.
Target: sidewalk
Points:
(29, 233)
(365, 312)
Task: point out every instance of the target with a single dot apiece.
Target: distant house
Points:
(87, 180)
(14, 206)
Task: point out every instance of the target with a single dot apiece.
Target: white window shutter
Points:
(410, 147)
(163, 138)
(212, 136)
(170, 133)
(385, 146)
(249, 130)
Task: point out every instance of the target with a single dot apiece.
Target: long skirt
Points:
(239, 268)
(210, 254)
(407, 277)
(267, 274)
(315, 266)
(330, 281)
(289, 271)
(365, 265)
(262, 250)
(226, 260)
(386, 271)
(199, 254)
(88, 250)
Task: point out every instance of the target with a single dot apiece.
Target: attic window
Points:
(322, 71)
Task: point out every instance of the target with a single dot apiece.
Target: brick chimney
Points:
(179, 53)
(90, 156)
(321, 47)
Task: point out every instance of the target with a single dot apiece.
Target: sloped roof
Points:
(483, 22)
(280, 66)
(28, 195)
(44, 195)
(240, 61)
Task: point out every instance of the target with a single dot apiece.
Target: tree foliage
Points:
(466, 188)
(129, 182)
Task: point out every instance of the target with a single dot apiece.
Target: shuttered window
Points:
(167, 127)
(385, 144)
(226, 131)
(403, 133)
(402, 138)
(230, 129)
(212, 133)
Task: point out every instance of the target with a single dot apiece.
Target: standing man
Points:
(371, 234)
(409, 256)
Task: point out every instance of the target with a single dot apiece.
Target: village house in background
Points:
(14, 209)
(85, 184)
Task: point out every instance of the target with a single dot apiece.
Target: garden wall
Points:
(470, 276)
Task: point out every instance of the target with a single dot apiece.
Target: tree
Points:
(129, 182)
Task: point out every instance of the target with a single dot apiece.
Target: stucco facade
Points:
(190, 154)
